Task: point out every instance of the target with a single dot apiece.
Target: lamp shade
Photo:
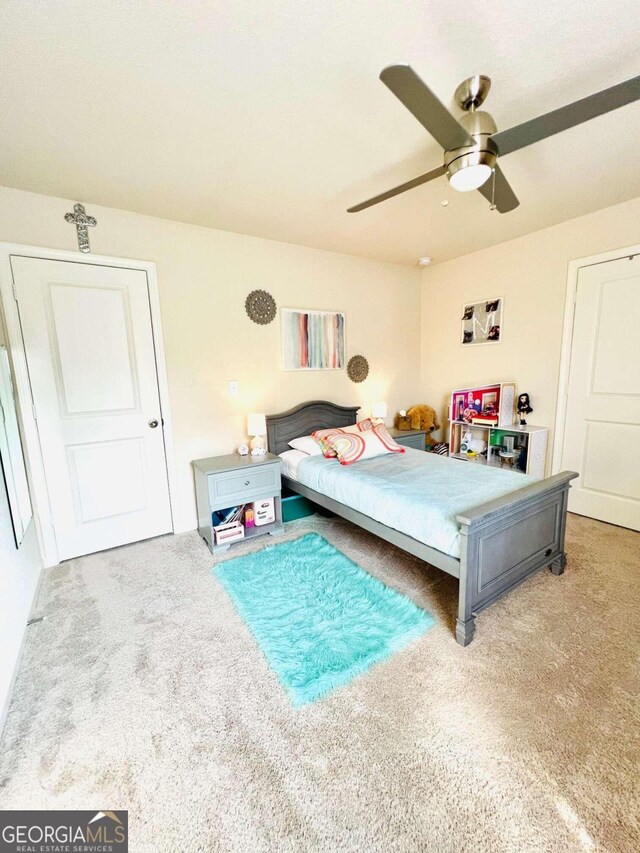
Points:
(256, 424)
(379, 409)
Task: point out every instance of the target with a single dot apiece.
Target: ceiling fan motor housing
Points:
(480, 126)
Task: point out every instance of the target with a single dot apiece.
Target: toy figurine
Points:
(524, 408)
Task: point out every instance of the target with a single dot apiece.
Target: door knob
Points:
(153, 424)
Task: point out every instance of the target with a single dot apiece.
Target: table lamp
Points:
(379, 411)
(257, 428)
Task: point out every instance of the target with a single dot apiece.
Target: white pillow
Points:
(307, 445)
(290, 461)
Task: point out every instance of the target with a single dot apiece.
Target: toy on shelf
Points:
(487, 405)
(484, 429)
(524, 407)
(508, 454)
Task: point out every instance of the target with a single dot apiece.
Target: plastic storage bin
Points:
(296, 506)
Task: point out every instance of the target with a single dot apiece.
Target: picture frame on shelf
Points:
(489, 401)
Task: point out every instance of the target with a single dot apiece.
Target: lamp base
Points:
(257, 446)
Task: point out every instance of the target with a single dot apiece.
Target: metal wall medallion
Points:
(260, 307)
(358, 368)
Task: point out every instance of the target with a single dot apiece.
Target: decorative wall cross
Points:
(81, 221)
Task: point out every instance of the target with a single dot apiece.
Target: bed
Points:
(498, 543)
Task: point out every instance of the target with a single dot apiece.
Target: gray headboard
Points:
(304, 419)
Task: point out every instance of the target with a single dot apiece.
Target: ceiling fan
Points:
(473, 144)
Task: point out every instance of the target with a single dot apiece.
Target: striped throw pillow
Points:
(383, 434)
(352, 448)
(324, 437)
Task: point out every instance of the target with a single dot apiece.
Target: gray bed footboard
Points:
(504, 541)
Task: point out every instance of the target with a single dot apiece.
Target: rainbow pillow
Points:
(324, 437)
(353, 447)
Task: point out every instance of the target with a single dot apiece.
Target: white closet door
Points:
(602, 428)
(90, 353)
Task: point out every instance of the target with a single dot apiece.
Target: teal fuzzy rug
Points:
(319, 618)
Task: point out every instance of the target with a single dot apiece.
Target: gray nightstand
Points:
(409, 437)
(226, 481)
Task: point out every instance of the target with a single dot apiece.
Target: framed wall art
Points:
(312, 340)
(482, 322)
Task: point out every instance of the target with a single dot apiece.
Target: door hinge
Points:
(33, 409)
(15, 292)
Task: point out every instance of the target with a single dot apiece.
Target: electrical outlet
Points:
(233, 387)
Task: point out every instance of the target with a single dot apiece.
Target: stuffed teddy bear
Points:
(423, 417)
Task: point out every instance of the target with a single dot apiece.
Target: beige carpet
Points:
(144, 690)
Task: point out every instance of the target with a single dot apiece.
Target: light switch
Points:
(233, 387)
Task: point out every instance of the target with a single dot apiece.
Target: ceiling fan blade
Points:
(503, 197)
(569, 116)
(402, 188)
(405, 84)
(421, 179)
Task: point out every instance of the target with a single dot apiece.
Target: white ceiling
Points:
(267, 117)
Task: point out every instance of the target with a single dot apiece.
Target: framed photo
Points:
(482, 321)
(312, 340)
(490, 402)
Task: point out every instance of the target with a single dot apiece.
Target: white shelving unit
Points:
(530, 439)
(493, 408)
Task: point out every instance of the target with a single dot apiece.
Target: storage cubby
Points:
(483, 430)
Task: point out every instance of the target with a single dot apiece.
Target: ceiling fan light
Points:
(470, 178)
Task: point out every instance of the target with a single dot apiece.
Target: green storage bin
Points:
(296, 506)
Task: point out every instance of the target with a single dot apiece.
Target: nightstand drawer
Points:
(415, 441)
(235, 487)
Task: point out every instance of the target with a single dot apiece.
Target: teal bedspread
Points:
(417, 493)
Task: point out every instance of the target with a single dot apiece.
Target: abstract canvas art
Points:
(312, 340)
(482, 322)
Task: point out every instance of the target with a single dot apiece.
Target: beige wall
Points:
(204, 277)
(531, 274)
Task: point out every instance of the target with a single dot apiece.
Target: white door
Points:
(602, 427)
(90, 353)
